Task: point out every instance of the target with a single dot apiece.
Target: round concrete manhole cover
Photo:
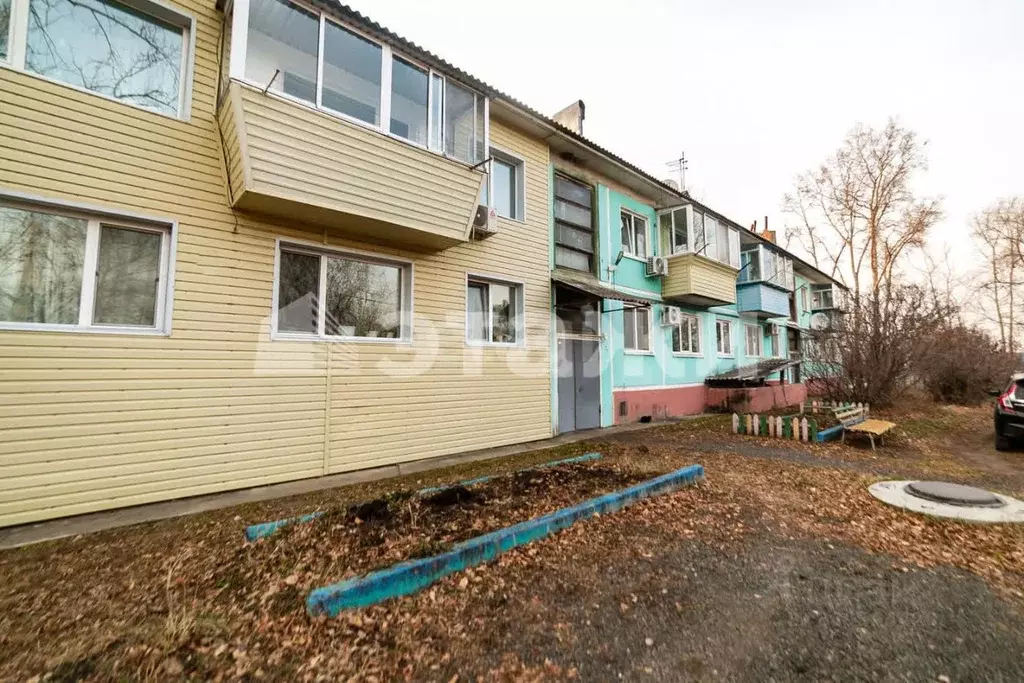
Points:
(950, 500)
(953, 494)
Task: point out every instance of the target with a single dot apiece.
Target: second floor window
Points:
(352, 75)
(634, 234)
(135, 52)
(574, 225)
(505, 186)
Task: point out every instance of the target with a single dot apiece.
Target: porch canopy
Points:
(752, 374)
(588, 284)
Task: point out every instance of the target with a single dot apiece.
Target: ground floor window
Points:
(686, 335)
(753, 337)
(636, 323)
(334, 294)
(494, 311)
(774, 341)
(723, 337)
(75, 271)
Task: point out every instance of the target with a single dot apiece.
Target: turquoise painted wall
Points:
(661, 367)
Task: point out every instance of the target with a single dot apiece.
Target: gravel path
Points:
(768, 610)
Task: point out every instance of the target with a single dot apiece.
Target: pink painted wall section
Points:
(659, 403)
(756, 399)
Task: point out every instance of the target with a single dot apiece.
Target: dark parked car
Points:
(1009, 414)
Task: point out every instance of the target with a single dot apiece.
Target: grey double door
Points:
(579, 385)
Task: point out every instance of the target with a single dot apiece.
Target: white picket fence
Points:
(774, 426)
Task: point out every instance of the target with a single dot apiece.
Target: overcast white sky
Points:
(755, 91)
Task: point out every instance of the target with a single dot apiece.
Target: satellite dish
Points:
(820, 321)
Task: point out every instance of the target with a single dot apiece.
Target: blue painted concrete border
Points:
(268, 528)
(408, 577)
(257, 531)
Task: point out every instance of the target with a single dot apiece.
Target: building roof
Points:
(666, 193)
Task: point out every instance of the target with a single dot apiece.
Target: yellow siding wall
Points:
(90, 421)
(692, 274)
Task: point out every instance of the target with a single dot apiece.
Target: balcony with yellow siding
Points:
(696, 280)
(294, 162)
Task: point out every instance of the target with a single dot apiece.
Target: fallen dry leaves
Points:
(189, 599)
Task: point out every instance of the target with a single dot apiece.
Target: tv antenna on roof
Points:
(679, 166)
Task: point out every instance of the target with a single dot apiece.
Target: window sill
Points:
(499, 345)
(637, 352)
(639, 259)
(286, 336)
(687, 354)
(76, 329)
(727, 355)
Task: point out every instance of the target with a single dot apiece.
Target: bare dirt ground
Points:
(780, 567)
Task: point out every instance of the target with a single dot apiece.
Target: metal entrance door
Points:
(579, 385)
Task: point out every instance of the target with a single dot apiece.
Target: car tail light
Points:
(1004, 398)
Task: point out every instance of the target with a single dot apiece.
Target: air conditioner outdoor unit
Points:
(657, 266)
(484, 220)
(671, 315)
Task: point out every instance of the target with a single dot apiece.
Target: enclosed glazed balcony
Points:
(293, 162)
(826, 298)
(695, 280)
(765, 282)
(704, 258)
(324, 124)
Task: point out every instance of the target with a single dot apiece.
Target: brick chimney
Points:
(768, 234)
(572, 117)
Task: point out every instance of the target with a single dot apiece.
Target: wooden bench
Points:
(855, 419)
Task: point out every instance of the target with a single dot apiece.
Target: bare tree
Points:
(856, 215)
(999, 232)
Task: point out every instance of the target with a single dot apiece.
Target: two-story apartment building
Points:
(268, 240)
(242, 245)
(668, 304)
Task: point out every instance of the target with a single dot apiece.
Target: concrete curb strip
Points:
(409, 577)
(264, 529)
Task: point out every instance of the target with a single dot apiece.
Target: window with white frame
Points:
(723, 337)
(686, 336)
(803, 299)
(494, 311)
(688, 229)
(332, 294)
(774, 341)
(505, 188)
(753, 338)
(64, 270)
(761, 264)
(634, 234)
(636, 326)
(135, 51)
(347, 73)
